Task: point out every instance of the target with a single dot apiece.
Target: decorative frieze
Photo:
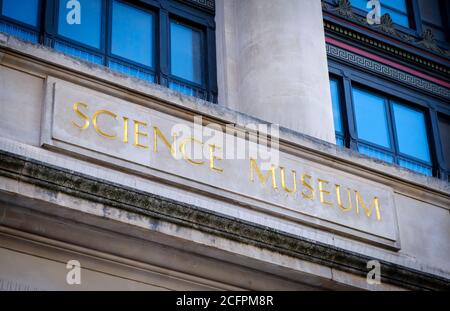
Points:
(386, 71)
(426, 41)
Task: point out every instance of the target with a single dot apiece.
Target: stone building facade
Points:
(91, 172)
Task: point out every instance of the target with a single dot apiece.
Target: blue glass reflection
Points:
(23, 11)
(132, 34)
(399, 17)
(335, 99)
(411, 132)
(395, 4)
(360, 4)
(185, 52)
(88, 31)
(371, 117)
(444, 129)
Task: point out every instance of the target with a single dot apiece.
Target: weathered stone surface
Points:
(57, 179)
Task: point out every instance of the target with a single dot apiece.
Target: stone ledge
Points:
(56, 179)
(290, 140)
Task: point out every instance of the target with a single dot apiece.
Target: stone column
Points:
(272, 63)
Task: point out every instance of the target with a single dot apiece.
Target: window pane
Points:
(335, 99)
(411, 132)
(431, 12)
(400, 19)
(399, 5)
(132, 34)
(360, 4)
(444, 129)
(87, 29)
(23, 11)
(185, 52)
(371, 117)
(396, 4)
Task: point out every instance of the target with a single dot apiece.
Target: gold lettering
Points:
(262, 178)
(283, 181)
(311, 195)
(172, 147)
(125, 130)
(369, 210)
(339, 201)
(322, 191)
(212, 158)
(137, 133)
(81, 115)
(183, 150)
(97, 128)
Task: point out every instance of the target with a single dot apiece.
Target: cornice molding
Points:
(378, 68)
(385, 48)
(55, 180)
(209, 5)
(426, 42)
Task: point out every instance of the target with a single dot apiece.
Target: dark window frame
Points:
(163, 11)
(431, 107)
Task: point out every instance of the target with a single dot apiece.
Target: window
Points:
(411, 132)
(185, 57)
(432, 18)
(391, 131)
(185, 52)
(337, 113)
(371, 118)
(397, 9)
(20, 18)
(444, 129)
(22, 11)
(383, 127)
(160, 41)
(88, 30)
(125, 21)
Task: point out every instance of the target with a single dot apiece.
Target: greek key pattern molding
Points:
(386, 71)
